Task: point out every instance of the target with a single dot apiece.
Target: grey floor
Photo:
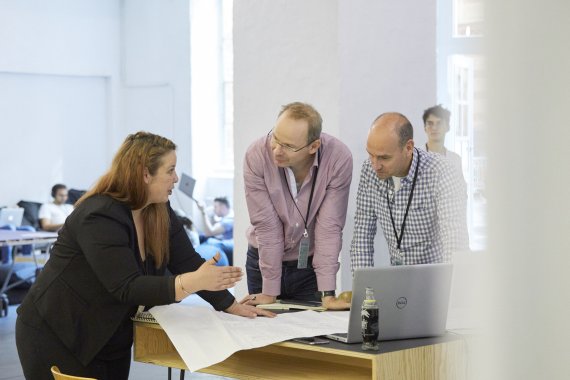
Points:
(10, 368)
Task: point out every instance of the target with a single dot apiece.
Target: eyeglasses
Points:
(286, 147)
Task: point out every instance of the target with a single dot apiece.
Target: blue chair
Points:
(208, 251)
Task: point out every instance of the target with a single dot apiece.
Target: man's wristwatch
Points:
(325, 293)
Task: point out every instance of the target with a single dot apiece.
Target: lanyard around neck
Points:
(305, 219)
(399, 238)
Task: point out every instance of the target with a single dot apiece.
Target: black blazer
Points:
(95, 278)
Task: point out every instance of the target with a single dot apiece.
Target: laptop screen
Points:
(12, 216)
(186, 185)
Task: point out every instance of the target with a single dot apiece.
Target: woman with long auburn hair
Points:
(111, 256)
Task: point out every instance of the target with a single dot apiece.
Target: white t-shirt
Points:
(453, 158)
(397, 183)
(55, 213)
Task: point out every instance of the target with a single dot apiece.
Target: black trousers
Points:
(39, 349)
(297, 284)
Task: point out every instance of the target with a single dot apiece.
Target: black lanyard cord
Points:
(399, 238)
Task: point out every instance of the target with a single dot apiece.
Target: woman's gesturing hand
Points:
(209, 277)
(212, 277)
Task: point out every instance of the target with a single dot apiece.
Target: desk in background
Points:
(428, 358)
(15, 238)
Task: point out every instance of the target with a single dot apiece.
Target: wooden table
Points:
(428, 358)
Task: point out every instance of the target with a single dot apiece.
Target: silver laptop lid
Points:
(186, 185)
(11, 216)
(413, 300)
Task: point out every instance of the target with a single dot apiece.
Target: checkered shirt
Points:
(436, 222)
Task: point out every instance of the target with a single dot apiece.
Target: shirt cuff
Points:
(271, 287)
(327, 282)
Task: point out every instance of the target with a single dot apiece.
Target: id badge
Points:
(398, 258)
(303, 251)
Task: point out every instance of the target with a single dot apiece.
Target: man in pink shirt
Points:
(297, 182)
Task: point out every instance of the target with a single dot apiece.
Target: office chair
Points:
(31, 213)
(57, 375)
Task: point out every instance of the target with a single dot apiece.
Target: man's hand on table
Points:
(248, 311)
(258, 299)
(333, 303)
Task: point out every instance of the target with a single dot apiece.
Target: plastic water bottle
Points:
(369, 315)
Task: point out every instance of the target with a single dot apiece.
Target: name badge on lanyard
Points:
(303, 251)
(398, 258)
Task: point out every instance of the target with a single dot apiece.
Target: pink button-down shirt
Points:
(277, 225)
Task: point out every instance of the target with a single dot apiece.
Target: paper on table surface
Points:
(203, 336)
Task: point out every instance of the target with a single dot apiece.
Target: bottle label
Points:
(370, 329)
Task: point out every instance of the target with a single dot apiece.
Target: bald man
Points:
(415, 196)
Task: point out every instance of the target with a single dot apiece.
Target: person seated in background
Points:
(219, 228)
(52, 215)
(221, 224)
(436, 125)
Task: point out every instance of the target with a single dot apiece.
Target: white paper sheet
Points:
(204, 337)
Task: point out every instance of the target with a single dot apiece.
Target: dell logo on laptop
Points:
(401, 302)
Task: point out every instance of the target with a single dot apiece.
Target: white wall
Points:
(48, 120)
(529, 222)
(58, 64)
(156, 76)
(77, 76)
(387, 63)
(351, 59)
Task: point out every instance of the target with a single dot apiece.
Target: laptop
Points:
(413, 301)
(186, 185)
(11, 216)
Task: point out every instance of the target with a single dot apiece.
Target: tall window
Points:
(467, 18)
(228, 85)
(461, 72)
(211, 25)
